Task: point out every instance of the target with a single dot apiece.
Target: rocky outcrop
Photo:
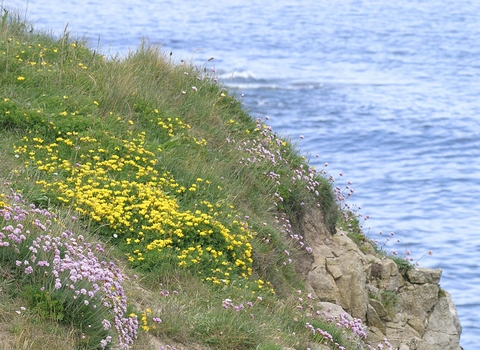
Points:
(407, 307)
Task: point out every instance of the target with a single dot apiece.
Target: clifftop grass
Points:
(158, 166)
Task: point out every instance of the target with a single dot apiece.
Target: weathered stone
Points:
(347, 243)
(333, 268)
(418, 324)
(374, 336)
(410, 333)
(333, 311)
(379, 309)
(424, 275)
(374, 320)
(391, 279)
(321, 253)
(324, 285)
(437, 338)
(443, 327)
(389, 268)
(418, 300)
(338, 272)
(352, 285)
(400, 333)
(373, 292)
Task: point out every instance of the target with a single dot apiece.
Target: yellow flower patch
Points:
(122, 189)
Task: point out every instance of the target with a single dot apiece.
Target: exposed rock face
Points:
(409, 309)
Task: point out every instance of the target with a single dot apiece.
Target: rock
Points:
(424, 275)
(333, 311)
(333, 268)
(418, 300)
(352, 290)
(418, 324)
(410, 309)
(379, 309)
(375, 336)
(347, 243)
(391, 278)
(323, 284)
(443, 327)
(374, 320)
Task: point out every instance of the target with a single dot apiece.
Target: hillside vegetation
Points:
(141, 207)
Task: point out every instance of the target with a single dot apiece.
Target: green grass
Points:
(192, 198)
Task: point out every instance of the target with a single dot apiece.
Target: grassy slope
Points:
(163, 167)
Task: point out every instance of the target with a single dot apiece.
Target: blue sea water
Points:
(386, 92)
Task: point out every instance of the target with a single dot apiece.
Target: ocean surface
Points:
(386, 92)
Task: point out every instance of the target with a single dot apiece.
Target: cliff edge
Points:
(407, 307)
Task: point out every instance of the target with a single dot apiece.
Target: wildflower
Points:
(20, 78)
(106, 324)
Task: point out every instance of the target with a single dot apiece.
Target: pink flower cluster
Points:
(227, 304)
(67, 263)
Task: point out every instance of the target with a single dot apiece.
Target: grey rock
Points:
(424, 275)
(421, 317)
(333, 268)
(324, 285)
(379, 309)
(443, 327)
(374, 320)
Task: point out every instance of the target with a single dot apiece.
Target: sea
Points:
(386, 92)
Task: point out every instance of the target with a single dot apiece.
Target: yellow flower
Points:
(21, 78)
